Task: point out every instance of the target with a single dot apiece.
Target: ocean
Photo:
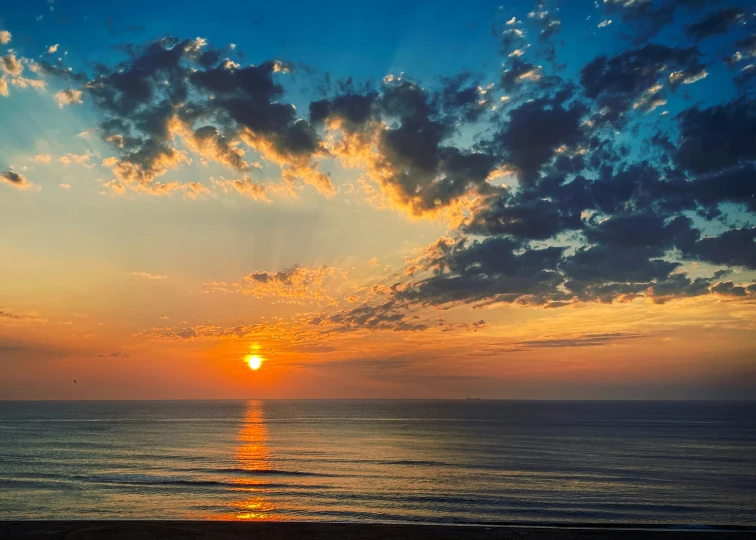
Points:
(540, 462)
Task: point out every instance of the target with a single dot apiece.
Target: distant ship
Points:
(475, 398)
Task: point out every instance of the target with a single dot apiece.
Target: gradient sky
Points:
(382, 200)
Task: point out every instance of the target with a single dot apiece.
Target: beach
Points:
(214, 530)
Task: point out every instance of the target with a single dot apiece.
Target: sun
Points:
(253, 361)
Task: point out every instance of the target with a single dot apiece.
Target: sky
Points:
(528, 200)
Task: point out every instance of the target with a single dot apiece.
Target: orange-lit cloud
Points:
(69, 159)
(11, 65)
(147, 275)
(68, 97)
(297, 285)
(28, 316)
(243, 186)
(16, 180)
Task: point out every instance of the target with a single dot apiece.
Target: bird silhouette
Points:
(74, 381)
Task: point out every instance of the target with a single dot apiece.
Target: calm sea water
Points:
(433, 461)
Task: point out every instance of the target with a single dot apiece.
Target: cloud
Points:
(374, 261)
(746, 76)
(68, 97)
(735, 247)
(31, 316)
(399, 137)
(283, 333)
(42, 158)
(603, 201)
(718, 137)
(637, 77)
(392, 315)
(728, 288)
(646, 18)
(591, 340)
(746, 48)
(170, 90)
(121, 355)
(297, 285)
(52, 49)
(148, 275)
(535, 219)
(10, 65)
(244, 186)
(716, 22)
(65, 186)
(15, 180)
(5, 37)
(535, 130)
(69, 159)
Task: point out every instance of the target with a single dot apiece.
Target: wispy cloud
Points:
(147, 275)
(590, 340)
(296, 285)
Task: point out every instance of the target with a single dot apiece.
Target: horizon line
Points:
(668, 400)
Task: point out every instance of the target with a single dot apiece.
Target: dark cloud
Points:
(187, 88)
(735, 247)
(744, 49)
(641, 230)
(592, 340)
(602, 264)
(385, 316)
(512, 38)
(728, 288)
(716, 22)
(14, 179)
(492, 270)
(735, 185)
(114, 355)
(678, 286)
(636, 78)
(354, 110)
(534, 131)
(410, 128)
(537, 219)
(647, 17)
(745, 78)
(461, 97)
(594, 216)
(718, 137)
(519, 73)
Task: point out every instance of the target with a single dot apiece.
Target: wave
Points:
(176, 480)
(259, 472)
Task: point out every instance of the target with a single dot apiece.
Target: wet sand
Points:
(216, 530)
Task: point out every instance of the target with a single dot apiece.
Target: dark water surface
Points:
(433, 461)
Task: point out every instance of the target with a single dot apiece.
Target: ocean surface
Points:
(429, 461)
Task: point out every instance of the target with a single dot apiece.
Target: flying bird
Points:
(74, 381)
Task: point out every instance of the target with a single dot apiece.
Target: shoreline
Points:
(316, 530)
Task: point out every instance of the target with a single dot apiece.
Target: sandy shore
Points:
(214, 530)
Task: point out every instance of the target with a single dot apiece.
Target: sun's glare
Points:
(254, 361)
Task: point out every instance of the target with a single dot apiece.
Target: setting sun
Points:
(254, 361)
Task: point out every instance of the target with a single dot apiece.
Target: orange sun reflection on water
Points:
(253, 455)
